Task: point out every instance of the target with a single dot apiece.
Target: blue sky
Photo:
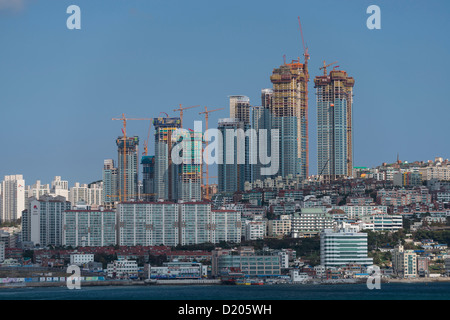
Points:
(59, 88)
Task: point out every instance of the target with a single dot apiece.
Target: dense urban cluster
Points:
(284, 226)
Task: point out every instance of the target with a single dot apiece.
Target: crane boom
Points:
(206, 113)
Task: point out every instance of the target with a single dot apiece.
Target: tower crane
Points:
(181, 109)
(122, 196)
(325, 66)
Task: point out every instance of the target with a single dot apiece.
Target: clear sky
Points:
(59, 88)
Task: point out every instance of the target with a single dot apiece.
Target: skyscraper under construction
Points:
(334, 124)
(165, 173)
(128, 168)
(289, 110)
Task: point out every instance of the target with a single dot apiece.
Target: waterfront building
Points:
(177, 270)
(341, 248)
(249, 263)
(122, 269)
(404, 262)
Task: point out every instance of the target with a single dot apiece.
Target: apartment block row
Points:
(53, 221)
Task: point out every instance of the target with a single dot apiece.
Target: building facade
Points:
(341, 248)
(12, 198)
(128, 166)
(334, 124)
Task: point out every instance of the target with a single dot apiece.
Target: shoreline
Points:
(130, 283)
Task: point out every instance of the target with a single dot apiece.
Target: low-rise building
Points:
(246, 261)
(177, 270)
(122, 269)
(310, 222)
(80, 259)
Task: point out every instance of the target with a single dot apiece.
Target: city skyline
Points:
(86, 74)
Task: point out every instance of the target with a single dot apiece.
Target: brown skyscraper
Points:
(334, 124)
(290, 114)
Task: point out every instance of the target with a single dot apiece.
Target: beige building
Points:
(404, 262)
(281, 227)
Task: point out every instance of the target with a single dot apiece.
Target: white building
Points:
(177, 270)
(297, 276)
(91, 194)
(338, 249)
(12, 199)
(310, 222)
(81, 258)
(384, 222)
(42, 223)
(122, 269)
(171, 224)
(2, 252)
(357, 212)
(60, 188)
(36, 190)
(255, 229)
(91, 228)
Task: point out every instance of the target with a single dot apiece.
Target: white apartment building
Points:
(438, 171)
(170, 224)
(12, 198)
(36, 190)
(310, 222)
(384, 222)
(60, 188)
(255, 229)
(91, 228)
(81, 258)
(91, 194)
(2, 252)
(42, 223)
